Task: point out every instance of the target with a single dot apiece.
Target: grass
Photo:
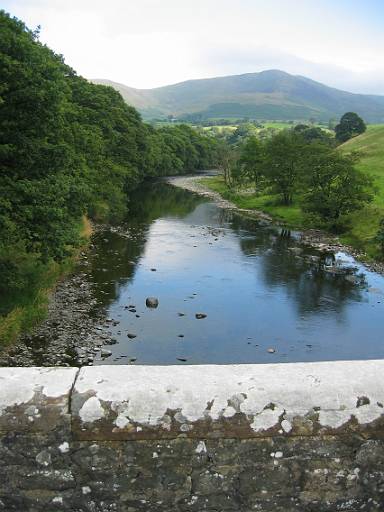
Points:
(364, 223)
(33, 308)
(291, 216)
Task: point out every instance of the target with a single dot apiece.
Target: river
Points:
(264, 296)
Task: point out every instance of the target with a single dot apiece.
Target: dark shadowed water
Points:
(265, 300)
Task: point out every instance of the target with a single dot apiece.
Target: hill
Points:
(370, 146)
(272, 95)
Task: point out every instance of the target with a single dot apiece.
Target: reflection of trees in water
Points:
(224, 216)
(114, 261)
(116, 255)
(115, 258)
(256, 237)
(307, 283)
(153, 200)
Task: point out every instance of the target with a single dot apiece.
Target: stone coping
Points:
(35, 399)
(207, 401)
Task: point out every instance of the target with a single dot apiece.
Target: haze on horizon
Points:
(150, 43)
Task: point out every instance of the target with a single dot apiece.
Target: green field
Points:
(364, 223)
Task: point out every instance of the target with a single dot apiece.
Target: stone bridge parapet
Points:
(292, 437)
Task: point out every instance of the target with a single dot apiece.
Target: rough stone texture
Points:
(70, 456)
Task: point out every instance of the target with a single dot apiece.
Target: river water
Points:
(266, 298)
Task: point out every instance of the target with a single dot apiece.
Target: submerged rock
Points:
(151, 302)
(199, 316)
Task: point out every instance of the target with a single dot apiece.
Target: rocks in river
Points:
(105, 353)
(153, 269)
(132, 310)
(271, 350)
(131, 336)
(199, 316)
(180, 335)
(181, 314)
(110, 341)
(151, 302)
(182, 359)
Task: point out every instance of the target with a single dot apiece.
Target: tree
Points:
(335, 187)
(252, 156)
(227, 160)
(242, 132)
(67, 148)
(282, 163)
(313, 134)
(349, 126)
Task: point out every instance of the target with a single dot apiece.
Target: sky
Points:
(150, 43)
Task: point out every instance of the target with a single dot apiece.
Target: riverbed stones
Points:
(200, 316)
(152, 302)
(72, 319)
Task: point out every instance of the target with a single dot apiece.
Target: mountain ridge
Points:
(270, 94)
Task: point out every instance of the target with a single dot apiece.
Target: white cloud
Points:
(146, 43)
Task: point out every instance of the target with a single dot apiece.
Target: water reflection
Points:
(258, 287)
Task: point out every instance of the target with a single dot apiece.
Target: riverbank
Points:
(75, 328)
(209, 186)
(23, 322)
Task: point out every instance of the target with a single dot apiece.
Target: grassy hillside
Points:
(370, 146)
(271, 95)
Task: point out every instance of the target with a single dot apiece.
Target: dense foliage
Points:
(349, 126)
(299, 165)
(69, 148)
(333, 186)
